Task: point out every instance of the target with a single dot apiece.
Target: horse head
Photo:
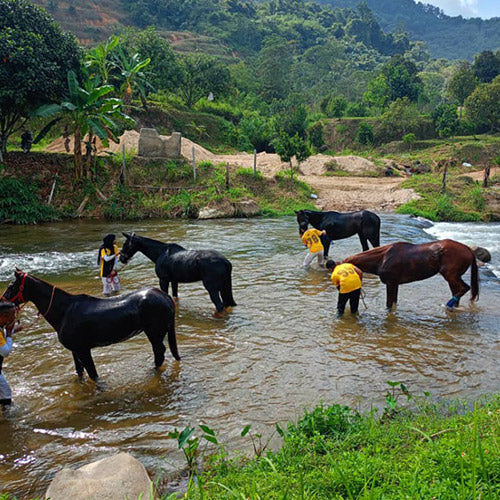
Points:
(129, 248)
(14, 292)
(302, 220)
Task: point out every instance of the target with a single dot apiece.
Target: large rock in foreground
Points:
(118, 477)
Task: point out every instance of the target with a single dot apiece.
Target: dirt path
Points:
(356, 193)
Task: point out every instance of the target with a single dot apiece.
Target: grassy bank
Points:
(158, 188)
(440, 451)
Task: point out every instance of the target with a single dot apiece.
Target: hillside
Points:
(447, 37)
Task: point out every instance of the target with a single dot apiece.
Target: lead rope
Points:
(363, 295)
(39, 313)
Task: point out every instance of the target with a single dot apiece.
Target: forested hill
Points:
(448, 37)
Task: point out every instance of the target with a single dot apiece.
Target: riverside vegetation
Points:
(437, 450)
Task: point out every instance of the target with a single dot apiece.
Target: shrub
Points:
(365, 134)
(19, 203)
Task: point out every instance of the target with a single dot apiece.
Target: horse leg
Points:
(175, 291)
(164, 283)
(458, 289)
(392, 294)
(226, 293)
(156, 338)
(364, 241)
(325, 239)
(215, 297)
(78, 365)
(86, 360)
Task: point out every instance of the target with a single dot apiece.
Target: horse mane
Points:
(157, 243)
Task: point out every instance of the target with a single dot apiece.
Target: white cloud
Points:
(465, 8)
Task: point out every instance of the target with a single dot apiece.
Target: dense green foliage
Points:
(448, 37)
(35, 56)
(19, 203)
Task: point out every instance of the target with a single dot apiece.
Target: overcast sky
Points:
(468, 8)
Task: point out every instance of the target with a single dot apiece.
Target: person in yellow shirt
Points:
(312, 240)
(106, 259)
(347, 279)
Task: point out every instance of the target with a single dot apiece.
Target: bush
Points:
(356, 109)
(365, 134)
(315, 135)
(19, 203)
(223, 109)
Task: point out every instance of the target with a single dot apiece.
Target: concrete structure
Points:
(154, 145)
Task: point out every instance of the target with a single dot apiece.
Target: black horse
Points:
(343, 225)
(83, 322)
(175, 264)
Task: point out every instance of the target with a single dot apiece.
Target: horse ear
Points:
(17, 272)
(127, 235)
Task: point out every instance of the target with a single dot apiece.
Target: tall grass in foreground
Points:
(334, 452)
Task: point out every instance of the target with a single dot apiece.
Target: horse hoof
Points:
(228, 309)
(161, 368)
(218, 314)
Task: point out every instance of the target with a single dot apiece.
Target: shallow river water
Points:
(280, 351)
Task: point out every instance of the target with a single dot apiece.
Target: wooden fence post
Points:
(122, 173)
(445, 173)
(486, 176)
(52, 190)
(194, 164)
(227, 175)
(255, 163)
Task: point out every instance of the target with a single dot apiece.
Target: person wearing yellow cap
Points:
(347, 279)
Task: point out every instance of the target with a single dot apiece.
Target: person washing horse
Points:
(312, 240)
(347, 279)
(107, 259)
(7, 328)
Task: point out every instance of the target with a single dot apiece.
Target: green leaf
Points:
(98, 129)
(46, 110)
(45, 130)
(245, 430)
(212, 439)
(207, 429)
(184, 436)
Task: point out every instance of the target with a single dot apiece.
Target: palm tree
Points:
(88, 110)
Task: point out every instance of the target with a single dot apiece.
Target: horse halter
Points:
(19, 297)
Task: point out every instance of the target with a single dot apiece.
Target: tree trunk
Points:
(77, 153)
(3, 147)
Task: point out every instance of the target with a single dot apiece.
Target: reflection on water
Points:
(280, 351)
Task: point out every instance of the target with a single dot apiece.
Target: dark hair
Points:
(330, 264)
(107, 242)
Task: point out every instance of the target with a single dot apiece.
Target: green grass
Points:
(335, 453)
(462, 201)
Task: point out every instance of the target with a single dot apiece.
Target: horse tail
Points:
(172, 339)
(226, 292)
(474, 280)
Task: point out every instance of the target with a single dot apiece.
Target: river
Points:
(280, 351)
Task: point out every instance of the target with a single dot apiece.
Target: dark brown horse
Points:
(401, 262)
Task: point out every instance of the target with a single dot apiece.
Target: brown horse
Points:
(401, 262)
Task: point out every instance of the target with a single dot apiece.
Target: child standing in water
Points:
(107, 258)
(312, 240)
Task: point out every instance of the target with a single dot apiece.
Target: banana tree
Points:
(88, 110)
(131, 76)
(100, 60)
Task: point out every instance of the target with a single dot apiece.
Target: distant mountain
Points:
(448, 37)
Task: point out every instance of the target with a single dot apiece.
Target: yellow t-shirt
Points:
(106, 265)
(311, 238)
(2, 338)
(345, 276)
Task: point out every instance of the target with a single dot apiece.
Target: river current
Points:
(282, 349)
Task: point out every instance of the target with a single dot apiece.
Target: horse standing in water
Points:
(339, 225)
(83, 322)
(401, 262)
(175, 264)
